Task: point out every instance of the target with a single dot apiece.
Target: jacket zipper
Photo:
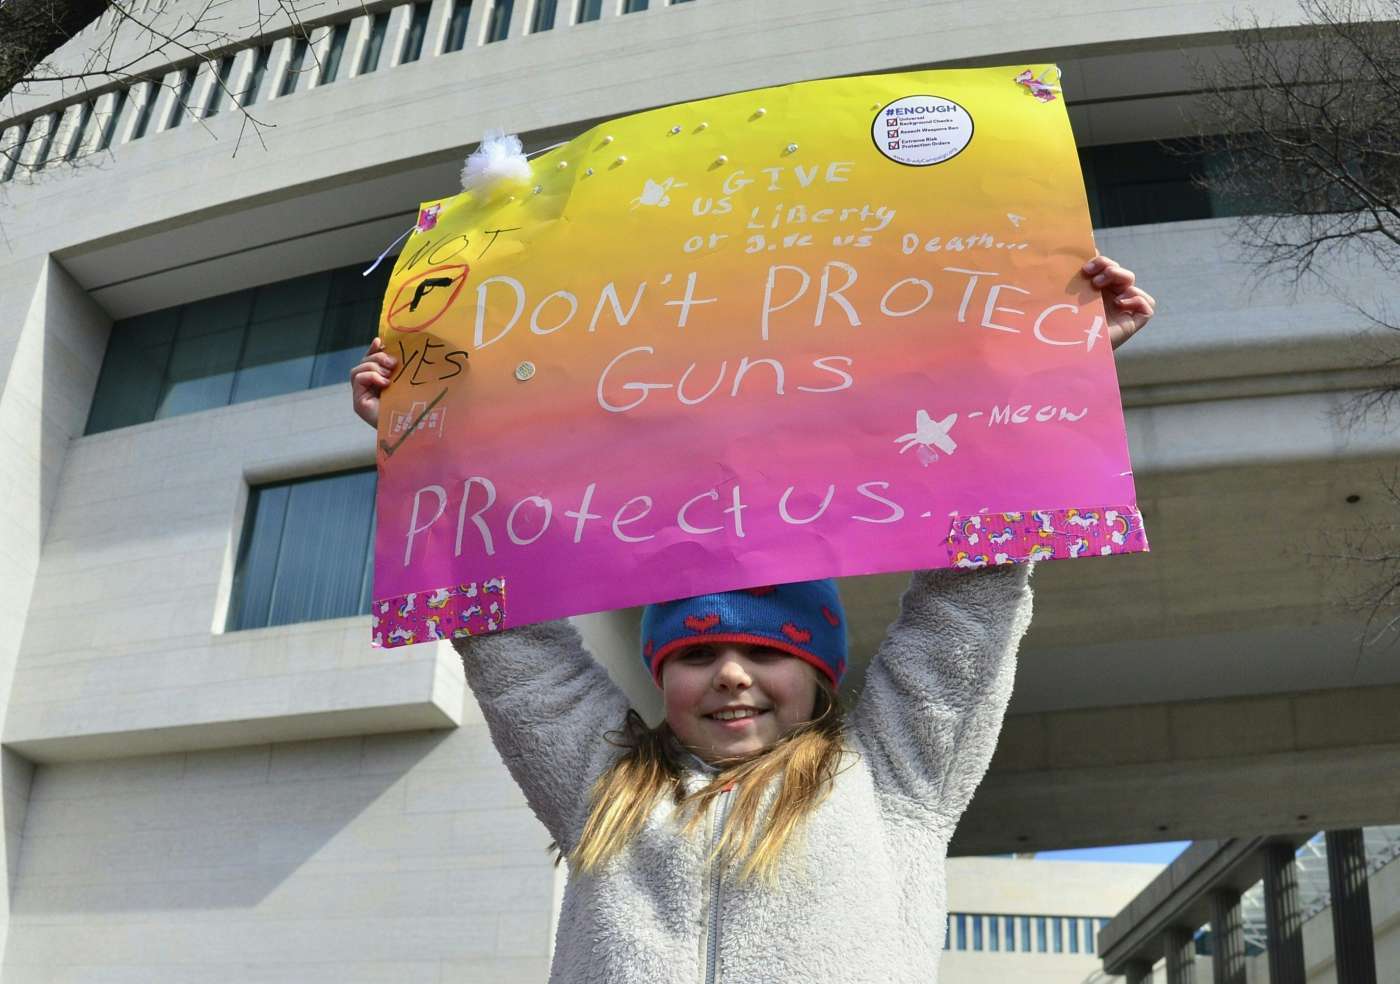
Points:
(716, 886)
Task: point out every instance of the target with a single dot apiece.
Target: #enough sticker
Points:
(921, 130)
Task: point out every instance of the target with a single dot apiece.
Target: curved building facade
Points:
(208, 773)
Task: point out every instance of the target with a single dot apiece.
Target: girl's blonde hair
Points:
(804, 762)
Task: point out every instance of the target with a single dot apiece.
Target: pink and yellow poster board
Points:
(823, 329)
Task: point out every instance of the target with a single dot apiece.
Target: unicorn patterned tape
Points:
(987, 538)
(453, 612)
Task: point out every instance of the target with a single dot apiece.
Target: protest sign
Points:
(822, 329)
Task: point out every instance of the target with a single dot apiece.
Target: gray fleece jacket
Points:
(862, 896)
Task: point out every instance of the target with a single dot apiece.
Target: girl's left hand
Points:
(1128, 307)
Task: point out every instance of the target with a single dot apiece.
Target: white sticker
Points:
(921, 130)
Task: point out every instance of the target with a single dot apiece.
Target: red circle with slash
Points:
(418, 304)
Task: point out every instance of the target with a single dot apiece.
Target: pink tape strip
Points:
(453, 612)
(1044, 534)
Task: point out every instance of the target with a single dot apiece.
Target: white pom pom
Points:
(499, 161)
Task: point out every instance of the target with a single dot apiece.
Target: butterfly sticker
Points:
(654, 193)
(929, 433)
(1042, 88)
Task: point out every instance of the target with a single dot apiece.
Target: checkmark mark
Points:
(390, 449)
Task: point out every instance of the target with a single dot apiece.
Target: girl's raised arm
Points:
(548, 704)
(545, 699)
(937, 690)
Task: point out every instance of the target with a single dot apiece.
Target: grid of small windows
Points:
(278, 338)
(999, 933)
(1136, 183)
(14, 150)
(182, 99)
(330, 67)
(256, 76)
(417, 30)
(543, 17)
(41, 155)
(219, 89)
(307, 551)
(114, 118)
(294, 68)
(149, 93)
(499, 25)
(457, 25)
(75, 147)
(378, 28)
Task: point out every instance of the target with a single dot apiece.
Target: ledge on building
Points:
(416, 688)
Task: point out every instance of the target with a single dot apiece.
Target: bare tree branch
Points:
(31, 30)
(1302, 138)
(129, 48)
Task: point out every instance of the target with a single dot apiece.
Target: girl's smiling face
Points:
(731, 701)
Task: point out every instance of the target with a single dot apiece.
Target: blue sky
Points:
(1147, 853)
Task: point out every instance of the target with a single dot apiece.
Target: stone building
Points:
(208, 775)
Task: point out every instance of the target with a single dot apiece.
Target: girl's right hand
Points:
(368, 380)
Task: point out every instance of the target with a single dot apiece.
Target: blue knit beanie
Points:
(803, 620)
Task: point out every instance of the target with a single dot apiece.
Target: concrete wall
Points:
(51, 352)
(393, 859)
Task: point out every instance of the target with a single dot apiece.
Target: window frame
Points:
(239, 586)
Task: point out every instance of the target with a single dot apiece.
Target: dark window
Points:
(279, 347)
(369, 61)
(589, 10)
(294, 68)
(84, 120)
(960, 921)
(1008, 926)
(256, 76)
(1089, 940)
(1025, 933)
(279, 338)
(349, 323)
(182, 99)
(12, 154)
(1152, 181)
(307, 551)
(457, 25)
(200, 372)
(499, 26)
(417, 29)
(976, 932)
(632, 6)
(114, 119)
(1072, 933)
(1058, 925)
(219, 88)
(994, 933)
(543, 18)
(133, 371)
(150, 92)
(1041, 943)
(41, 156)
(330, 69)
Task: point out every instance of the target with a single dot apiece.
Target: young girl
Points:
(758, 834)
